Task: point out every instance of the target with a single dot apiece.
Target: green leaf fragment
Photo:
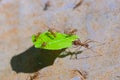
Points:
(61, 41)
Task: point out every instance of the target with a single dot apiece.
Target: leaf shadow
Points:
(32, 60)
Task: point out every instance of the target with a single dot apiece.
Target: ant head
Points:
(37, 34)
(43, 44)
(76, 42)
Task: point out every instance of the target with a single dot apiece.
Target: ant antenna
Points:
(90, 48)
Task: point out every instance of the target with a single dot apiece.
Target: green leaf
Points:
(47, 41)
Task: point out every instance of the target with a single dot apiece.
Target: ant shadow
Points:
(32, 60)
(71, 54)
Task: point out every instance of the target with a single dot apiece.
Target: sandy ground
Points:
(98, 20)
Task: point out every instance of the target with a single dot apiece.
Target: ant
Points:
(84, 44)
(78, 4)
(47, 4)
(70, 31)
(78, 44)
(44, 44)
(83, 74)
(52, 31)
(36, 36)
(35, 76)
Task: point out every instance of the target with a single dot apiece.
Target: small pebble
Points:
(76, 78)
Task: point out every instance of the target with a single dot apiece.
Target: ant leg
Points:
(77, 51)
(86, 41)
(75, 56)
(71, 57)
(90, 48)
(68, 51)
(89, 40)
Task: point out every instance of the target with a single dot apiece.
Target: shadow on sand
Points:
(33, 60)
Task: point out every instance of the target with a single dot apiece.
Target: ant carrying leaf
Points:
(54, 40)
